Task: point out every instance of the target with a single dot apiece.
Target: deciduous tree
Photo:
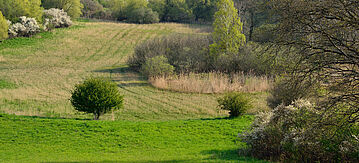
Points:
(72, 7)
(3, 27)
(227, 35)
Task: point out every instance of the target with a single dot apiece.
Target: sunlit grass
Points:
(31, 139)
(47, 66)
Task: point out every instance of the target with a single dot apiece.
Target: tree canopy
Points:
(13, 9)
(72, 7)
(227, 35)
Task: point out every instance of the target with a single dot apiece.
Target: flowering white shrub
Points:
(56, 18)
(26, 27)
(297, 133)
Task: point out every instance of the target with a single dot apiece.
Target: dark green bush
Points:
(143, 16)
(236, 103)
(157, 66)
(97, 96)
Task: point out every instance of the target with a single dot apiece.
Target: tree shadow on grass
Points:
(249, 116)
(230, 155)
(44, 117)
(123, 69)
(123, 74)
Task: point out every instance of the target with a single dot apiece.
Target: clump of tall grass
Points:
(214, 82)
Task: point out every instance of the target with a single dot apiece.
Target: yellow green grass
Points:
(43, 70)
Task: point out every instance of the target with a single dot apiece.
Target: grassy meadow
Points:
(34, 139)
(38, 123)
(38, 73)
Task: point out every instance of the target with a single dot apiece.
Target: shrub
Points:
(157, 66)
(56, 18)
(296, 133)
(236, 103)
(97, 96)
(4, 27)
(91, 7)
(26, 27)
(187, 53)
(143, 16)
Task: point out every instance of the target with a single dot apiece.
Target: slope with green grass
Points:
(38, 73)
(32, 139)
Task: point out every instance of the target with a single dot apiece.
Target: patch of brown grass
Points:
(213, 83)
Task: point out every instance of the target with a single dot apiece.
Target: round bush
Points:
(236, 103)
(25, 28)
(56, 18)
(97, 96)
(157, 66)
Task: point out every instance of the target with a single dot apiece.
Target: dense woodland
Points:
(309, 50)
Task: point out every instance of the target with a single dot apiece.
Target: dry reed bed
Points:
(213, 83)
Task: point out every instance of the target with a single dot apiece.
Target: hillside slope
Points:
(31, 139)
(40, 72)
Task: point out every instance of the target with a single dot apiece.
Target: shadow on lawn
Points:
(228, 156)
(124, 69)
(44, 117)
(124, 74)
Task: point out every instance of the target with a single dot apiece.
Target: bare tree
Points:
(326, 35)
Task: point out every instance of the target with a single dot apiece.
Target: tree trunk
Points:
(96, 116)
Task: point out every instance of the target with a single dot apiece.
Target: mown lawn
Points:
(37, 74)
(34, 139)
(38, 123)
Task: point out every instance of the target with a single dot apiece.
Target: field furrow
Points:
(45, 72)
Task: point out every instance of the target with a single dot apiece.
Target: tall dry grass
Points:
(213, 82)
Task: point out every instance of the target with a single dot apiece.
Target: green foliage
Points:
(227, 35)
(97, 96)
(203, 10)
(168, 10)
(143, 16)
(71, 7)
(158, 6)
(236, 103)
(91, 7)
(13, 9)
(122, 9)
(178, 11)
(4, 27)
(157, 66)
(265, 33)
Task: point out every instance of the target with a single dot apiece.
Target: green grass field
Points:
(38, 123)
(30, 139)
